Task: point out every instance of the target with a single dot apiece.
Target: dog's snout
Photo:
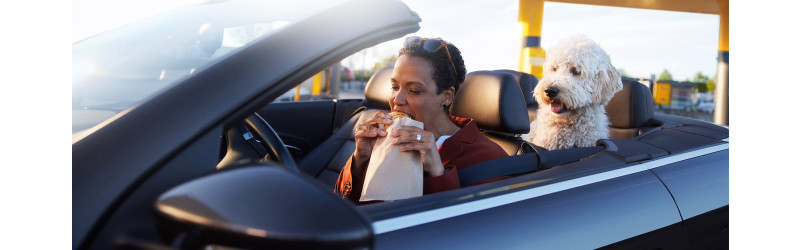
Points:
(551, 91)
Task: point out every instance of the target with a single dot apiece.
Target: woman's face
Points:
(414, 91)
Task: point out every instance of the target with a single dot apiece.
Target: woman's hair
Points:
(443, 73)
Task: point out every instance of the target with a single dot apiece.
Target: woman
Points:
(425, 79)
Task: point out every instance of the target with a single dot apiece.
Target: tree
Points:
(665, 76)
(702, 82)
(710, 85)
(622, 73)
(386, 61)
(700, 78)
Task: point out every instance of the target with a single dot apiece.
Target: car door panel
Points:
(583, 217)
(701, 188)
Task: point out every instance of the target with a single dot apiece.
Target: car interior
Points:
(321, 140)
(494, 98)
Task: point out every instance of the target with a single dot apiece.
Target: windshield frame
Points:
(121, 68)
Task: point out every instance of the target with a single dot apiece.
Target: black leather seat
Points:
(495, 101)
(527, 83)
(631, 111)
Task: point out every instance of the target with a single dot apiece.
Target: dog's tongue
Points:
(556, 107)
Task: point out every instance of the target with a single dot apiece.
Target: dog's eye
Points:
(575, 71)
(554, 68)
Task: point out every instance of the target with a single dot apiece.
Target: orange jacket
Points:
(465, 148)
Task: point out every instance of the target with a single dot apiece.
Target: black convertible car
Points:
(177, 144)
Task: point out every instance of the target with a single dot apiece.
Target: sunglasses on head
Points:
(431, 45)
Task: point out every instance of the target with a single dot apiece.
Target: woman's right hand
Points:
(366, 134)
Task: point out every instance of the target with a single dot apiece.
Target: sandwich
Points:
(396, 115)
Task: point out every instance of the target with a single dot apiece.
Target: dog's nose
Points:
(551, 91)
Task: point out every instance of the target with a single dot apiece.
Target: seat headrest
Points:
(377, 91)
(631, 107)
(527, 83)
(494, 100)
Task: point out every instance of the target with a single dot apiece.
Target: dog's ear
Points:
(609, 84)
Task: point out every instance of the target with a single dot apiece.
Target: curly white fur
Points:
(584, 80)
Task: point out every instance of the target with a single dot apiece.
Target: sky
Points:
(641, 42)
(90, 17)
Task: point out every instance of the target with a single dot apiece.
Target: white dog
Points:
(578, 81)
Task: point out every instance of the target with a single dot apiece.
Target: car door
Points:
(700, 187)
(600, 201)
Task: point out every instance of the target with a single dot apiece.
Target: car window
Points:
(347, 79)
(117, 69)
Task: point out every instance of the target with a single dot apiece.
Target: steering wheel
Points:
(255, 139)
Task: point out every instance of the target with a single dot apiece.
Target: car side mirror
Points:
(259, 207)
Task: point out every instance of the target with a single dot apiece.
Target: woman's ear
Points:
(448, 95)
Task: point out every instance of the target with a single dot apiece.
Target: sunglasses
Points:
(432, 45)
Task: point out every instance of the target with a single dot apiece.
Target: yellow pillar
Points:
(530, 19)
(297, 93)
(317, 82)
(722, 76)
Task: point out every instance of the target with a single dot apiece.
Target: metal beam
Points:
(693, 6)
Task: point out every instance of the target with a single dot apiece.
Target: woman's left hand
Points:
(416, 139)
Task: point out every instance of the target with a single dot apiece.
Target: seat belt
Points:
(521, 164)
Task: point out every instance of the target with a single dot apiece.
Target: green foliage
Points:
(665, 76)
(344, 78)
(362, 74)
(701, 87)
(622, 73)
(700, 78)
(710, 85)
(703, 83)
(385, 62)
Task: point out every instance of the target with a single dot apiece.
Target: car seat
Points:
(630, 111)
(527, 83)
(494, 100)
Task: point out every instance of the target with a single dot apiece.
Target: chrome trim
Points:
(415, 219)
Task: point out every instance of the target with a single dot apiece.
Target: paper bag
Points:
(392, 174)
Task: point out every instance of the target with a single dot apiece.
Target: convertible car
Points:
(178, 143)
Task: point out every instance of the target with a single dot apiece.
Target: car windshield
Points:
(119, 68)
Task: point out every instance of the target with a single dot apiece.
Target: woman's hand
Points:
(416, 139)
(366, 134)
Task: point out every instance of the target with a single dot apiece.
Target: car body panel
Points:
(630, 204)
(700, 187)
(700, 184)
(541, 184)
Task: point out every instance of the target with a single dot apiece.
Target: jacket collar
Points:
(467, 134)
